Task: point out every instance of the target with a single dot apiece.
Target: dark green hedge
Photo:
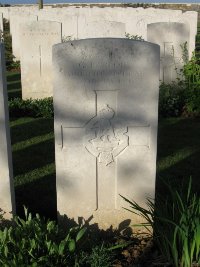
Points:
(31, 107)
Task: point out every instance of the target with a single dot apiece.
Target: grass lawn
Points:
(34, 163)
(14, 84)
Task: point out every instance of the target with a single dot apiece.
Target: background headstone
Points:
(37, 39)
(106, 110)
(170, 36)
(18, 20)
(7, 196)
(1, 22)
(102, 28)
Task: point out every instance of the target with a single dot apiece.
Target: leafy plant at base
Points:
(175, 220)
(34, 242)
(100, 256)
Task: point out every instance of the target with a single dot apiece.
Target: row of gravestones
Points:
(33, 37)
(106, 113)
(76, 22)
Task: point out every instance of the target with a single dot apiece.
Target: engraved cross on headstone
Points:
(169, 63)
(106, 138)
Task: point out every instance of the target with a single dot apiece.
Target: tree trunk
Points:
(40, 3)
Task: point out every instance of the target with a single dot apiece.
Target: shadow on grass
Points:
(13, 76)
(179, 152)
(33, 157)
(17, 93)
(38, 196)
(30, 127)
(15, 85)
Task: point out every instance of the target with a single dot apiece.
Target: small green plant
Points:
(31, 107)
(182, 97)
(133, 37)
(15, 65)
(66, 38)
(175, 220)
(35, 242)
(172, 99)
(191, 74)
(100, 256)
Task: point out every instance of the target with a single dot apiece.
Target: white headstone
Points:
(1, 22)
(6, 12)
(170, 36)
(37, 39)
(106, 110)
(102, 28)
(69, 22)
(17, 22)
(7, 196)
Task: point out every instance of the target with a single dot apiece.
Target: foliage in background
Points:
(66, 38)
(197, 48)
(7, 39)
(35, 242)
(182, 97)
(175, 219)
(31, 107)
(191, 71)
(171, 99)
(134, 37)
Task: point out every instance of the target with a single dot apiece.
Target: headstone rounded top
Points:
(103, 40)
(169, 24)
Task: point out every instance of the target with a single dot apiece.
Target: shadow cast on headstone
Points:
(95, 233)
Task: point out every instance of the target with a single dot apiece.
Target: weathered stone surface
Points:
(69, 22)
(37, 39)
(17, 22)
(7, 197)
(102, 28)
(1, 22)
(170, 36)
(105, 103)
